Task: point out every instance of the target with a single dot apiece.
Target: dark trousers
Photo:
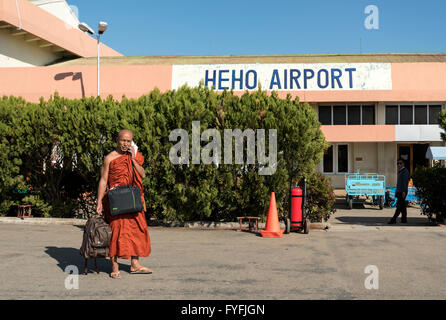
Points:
(401, 207)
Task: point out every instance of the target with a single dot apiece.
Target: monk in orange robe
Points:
(130, 235)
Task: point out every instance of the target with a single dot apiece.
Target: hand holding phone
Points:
(134, 149)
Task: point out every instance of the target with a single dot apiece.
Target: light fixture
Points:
(102, 27)
(85, 28)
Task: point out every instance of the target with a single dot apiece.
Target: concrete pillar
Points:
(381, 113)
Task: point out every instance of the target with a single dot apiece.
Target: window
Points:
(342, 158)
(343, 115)
(336, 159)
(325, 115)
(420, 114)
(412, 114)
(368, 114)
(433, 114)
(328, 160)
(354, 115)
(391, 114)
(339, 116)
(406, 114)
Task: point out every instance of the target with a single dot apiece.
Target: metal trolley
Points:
(366, 185)
(411, 196)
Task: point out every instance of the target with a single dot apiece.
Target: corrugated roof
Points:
(242, 59)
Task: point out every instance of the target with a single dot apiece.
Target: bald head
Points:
(124, 140)
(125, 132)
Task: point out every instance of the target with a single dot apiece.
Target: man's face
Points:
(124, 141)
(399, 164)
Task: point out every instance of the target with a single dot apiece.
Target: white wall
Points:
(418, 133)
(377, 157)
(60, 9)
(365, 157)
(16, 52)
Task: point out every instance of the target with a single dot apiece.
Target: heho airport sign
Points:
(285, 77)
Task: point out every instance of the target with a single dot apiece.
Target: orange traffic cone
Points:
(272, 228)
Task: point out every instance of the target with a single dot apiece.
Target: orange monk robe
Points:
(130, 235)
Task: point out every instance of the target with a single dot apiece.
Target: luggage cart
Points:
(411, 196)
(362, 186)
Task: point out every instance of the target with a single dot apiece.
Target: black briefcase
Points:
(125, 199)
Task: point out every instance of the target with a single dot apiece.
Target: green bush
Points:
(57, 147)
(431, 189)
(11, 175)
(39, 206)
(442, 123)
(320, 198)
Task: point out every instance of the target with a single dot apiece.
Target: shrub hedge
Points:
(53, 151)
(431, 189)
(430, 183)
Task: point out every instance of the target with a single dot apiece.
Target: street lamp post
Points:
(101, 29)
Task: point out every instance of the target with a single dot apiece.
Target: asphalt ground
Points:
(190, 264)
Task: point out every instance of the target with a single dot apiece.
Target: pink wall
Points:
(359, 133)
(411, 82)
(77, 81)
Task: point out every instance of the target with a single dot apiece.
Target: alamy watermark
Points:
(371, 281)
(72, 280)
(212, 152)
(372, 20)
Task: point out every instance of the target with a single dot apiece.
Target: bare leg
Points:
(115, 268)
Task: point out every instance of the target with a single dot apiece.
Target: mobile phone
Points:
(135, 147)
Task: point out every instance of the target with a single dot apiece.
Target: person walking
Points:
(402, 186)
(130, 234)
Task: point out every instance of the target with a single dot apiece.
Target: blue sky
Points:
(210, 27)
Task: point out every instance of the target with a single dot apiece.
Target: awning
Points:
(436, 153)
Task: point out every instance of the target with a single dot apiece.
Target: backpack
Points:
(96, 240)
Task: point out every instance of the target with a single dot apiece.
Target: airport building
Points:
(374, 108)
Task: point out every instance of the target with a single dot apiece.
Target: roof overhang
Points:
(37, 25)
(38, 41)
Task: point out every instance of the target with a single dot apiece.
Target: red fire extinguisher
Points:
(297, 220)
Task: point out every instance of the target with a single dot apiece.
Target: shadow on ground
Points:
(343, 206)
(382, 221)
(71, 256)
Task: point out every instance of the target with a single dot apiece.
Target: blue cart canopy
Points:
(436, 153)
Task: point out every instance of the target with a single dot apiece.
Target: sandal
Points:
(141, 270)
(115, 275)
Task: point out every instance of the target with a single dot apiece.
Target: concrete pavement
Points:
(371, 217)
(225, 264)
